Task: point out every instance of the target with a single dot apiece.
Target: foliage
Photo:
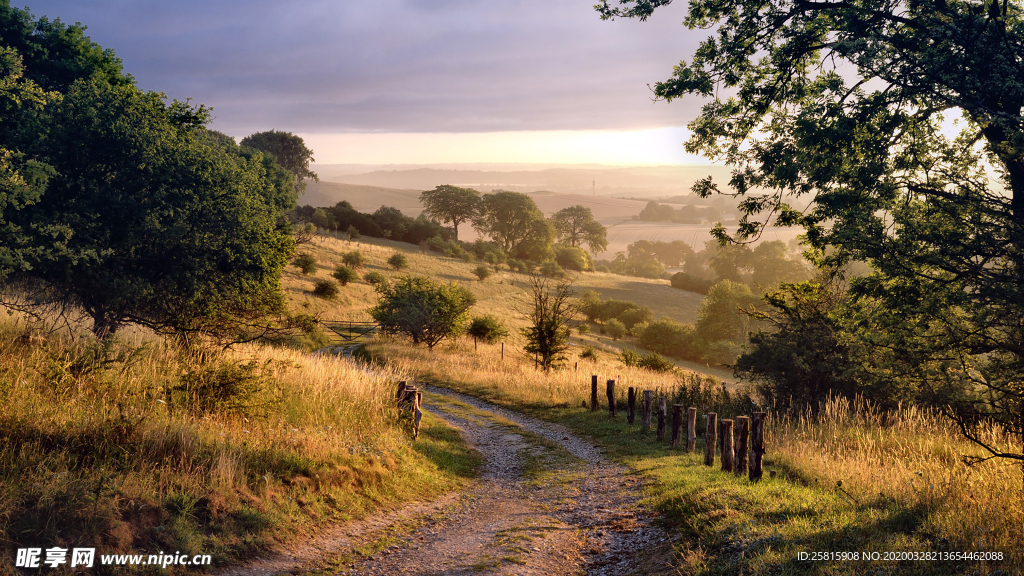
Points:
(634, 316)
(306, 263)
(423, 310)
(691, 283)
(482, 272)
(353, 259)
(513, 221)
(653, 361)
(583, 329)
(588, 353)
(615, 328)
(551, 269)
(552, 308)
(353, 232)
(326, 289)
(720, 316)
(590, 305)
(673, 253)
(343, 274)
(849, 104)
(288, 150)
(374, 278)
(671, 339)
(640, 265)
(575, 226)
(449, 203)
(219, 386)
(487, 328)
(571, 258)
(398, 261)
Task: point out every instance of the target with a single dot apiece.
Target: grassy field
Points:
(849, 479)
(136, 446)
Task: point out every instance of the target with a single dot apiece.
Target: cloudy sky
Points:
(411, 81)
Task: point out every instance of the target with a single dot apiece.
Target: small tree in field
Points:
(422, 309)
(482, 272)
(344, 275)
(353, 259)
(553, 307)
(398, 261)
(487, 328)
(615, 329)
(306, 263)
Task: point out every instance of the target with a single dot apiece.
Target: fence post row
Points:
(757, 446)
(631, 405)
(593, 393)
(661, 418)
(611, 398)
(742, 430)
(725, 433)
(677, 424)
(691, 429)
(709, 439)
(645, 410)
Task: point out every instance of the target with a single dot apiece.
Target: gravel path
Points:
(547, 503)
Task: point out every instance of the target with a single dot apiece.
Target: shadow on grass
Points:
(443, 447)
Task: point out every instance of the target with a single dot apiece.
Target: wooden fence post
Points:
(645, 410)
(593, 393)
(662, 408)
(691, 429)
(631, 405)
(710, 434)
(677, 424)
(742, 430)
(611, 398)
(400, 395)
(756, 446)
(727, 453)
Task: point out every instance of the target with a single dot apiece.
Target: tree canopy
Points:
(575, 226)
(288, 150)
(423, 310)
(449, 203)
(885, 114)
(513, 221)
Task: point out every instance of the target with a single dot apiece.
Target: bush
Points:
(306, 263)
(353, 259)
(344, 275)
(722, 352)
(602, 268)
(398, 261)
(353, 232)
(653, 361)
(615, 309)
(589, 353)
(615, 329)
(221, 386)
(670, 338)
(572, 258)
(551, 269)
(375, 278)
(583, 329)
(634, 316)
(482, 272)
(518, 266)
(691, 283)
(487, 328)
(423, 310)
(326, 289)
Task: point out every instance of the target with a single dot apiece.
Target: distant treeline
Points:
(687, 214)
(386, 222)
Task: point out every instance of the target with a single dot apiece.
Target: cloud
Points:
(334, 66)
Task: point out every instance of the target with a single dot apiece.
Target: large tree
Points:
(423, 310)
(513, 221)
(288, 150)
(575, 225)
(885, 113)
(449, 203)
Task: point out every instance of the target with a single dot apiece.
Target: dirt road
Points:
(546, 504)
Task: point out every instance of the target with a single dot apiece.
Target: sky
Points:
(412, 81)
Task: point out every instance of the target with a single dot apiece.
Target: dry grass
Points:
(123, 448)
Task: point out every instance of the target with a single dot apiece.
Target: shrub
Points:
(572, 258)
(353, 232)
(722, 352)
(634, 316)
(422, 309)
(487, 328)
(518, 266)
(306, 263)
(589, 353)
(398, 261)
(374, 278)
(344, 275)
(583, 329)
(326, 289)
(691, 283)
(353, 259)
(602, 268)
(590, 305)
(719, 316)
(669, 338)
(653, 361)
(615, 309)
(551, 269)
(221, 386)
(615, 329)
(482, 272)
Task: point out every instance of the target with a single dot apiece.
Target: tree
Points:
(167, 226)
(888, 185)
(343, 274)
(398, 261)
(719, 316)
(482, 272)
(575, 226)
(552, 308)
(353, 259)
(487, 328)
(449, 203)
(615, 328)
(306, 263)
(288, 150)
(513, 221)
(422, 309)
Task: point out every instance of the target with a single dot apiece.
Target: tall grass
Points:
(135, 445)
